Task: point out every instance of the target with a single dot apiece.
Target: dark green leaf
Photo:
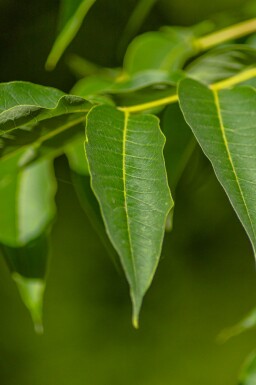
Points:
(125, 155)
(23, 103)
(224, 123)
(180, 145)
(28, 268)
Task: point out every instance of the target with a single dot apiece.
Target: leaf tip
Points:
(32, 291)
(135, 322)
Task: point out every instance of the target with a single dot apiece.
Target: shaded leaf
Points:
(224, 123)
(125, 155)
(72, 16)
(77, 159)
(179, 147)
(27, 210)
(222, 63)
(28, 268)
(103, 84)
(160, 51)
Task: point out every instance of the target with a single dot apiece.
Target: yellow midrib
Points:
(224, 137)
(126, 120)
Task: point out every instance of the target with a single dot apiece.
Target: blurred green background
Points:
(206, 279)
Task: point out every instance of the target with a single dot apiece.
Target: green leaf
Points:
(26, 201)
(27, 210)
(23, 103)
(28, 268)
(80, 176)
(72, 16)
(160, 51)
(125, 155)
(77, 159)
(102, 84)
(248, 374)
(222, 63)
(224, 123)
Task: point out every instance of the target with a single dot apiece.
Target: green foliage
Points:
(109, 128)
(125, 155)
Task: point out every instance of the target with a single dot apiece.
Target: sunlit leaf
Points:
(224, 123)
(72, 16)
(125, 155)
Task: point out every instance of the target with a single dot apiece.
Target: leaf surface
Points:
(23, 103)
(73, 13)
(125, 155)
(28, 268)
(224, 123)
(27, 210)
(159, 51)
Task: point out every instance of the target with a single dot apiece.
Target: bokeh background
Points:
(206, 280)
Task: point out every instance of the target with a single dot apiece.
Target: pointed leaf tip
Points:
(128, 177)
(32, 292)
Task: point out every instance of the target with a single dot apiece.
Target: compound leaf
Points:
(125, 155)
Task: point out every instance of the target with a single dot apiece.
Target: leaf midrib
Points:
(224, 137)
(126, 121)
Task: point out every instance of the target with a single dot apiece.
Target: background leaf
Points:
(129, 179)
(27, 211)
(73, 13)
(222, 63)
(248, 375)
(227, 135)
(160, 51)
